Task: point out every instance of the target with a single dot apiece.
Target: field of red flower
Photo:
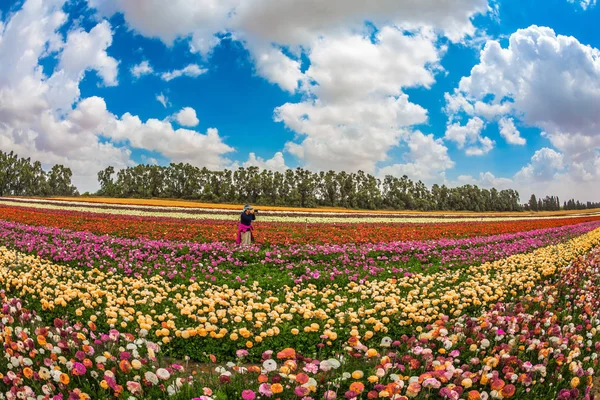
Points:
(271, 232)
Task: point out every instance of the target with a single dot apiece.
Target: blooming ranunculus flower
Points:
(163, 374)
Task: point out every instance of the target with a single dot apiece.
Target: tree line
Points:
(552, 203)
(299, 188)
(20, 177)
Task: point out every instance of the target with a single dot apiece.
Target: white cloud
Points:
(276, 67)
(197, 19)
(348, 136)
(470, 134)
(350, 67)
(427, 160)
(87, 51)
(265, 26)
(178, 145)
(42, 117)
(355, 109)
(143, 68)
(187, 117)
(486, 180)
(544, 165)
(548, 81)
(192, 71)
(277, 163)
(295, 22)
(149, 160)
(509, 131)
(585, 4)
(162, 99)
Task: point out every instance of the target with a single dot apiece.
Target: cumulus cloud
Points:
(187, 117)
(353, 78)
(286, 22)
(37, 116)
(87, 51)
(427, 159)
(509, 132)
(355, 109)
(192, 71)
(544, 165)
(143, 68)
(548, 81)
(276, 163)
(485, 180)
(470, 135)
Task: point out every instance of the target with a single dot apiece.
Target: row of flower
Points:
(312, 218)
(365, 216)
(319, 264)
(74, 361)
(200, 316)
(544, 346)
(208, 231)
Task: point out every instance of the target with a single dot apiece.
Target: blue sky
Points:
(320, 91)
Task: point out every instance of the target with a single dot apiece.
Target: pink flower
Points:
(248, 395)
(265, 390)
(329, 395)
(134, 387)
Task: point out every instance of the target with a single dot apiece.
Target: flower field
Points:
(99, 304)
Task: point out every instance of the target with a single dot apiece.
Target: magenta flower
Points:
(248, 394)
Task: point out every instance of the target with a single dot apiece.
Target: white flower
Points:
(335, 364)
(270, 365)
(163, 374)
(325, 366)
(151, 377)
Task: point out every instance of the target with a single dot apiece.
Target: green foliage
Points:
(299, 188)
(19, 177)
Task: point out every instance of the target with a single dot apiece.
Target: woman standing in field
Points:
(244, 235)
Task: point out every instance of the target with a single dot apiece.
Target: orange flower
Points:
(28, 372)
(358, 387)
(125, 366)
(286, 353)
(484, 379)
(473, 395)
(497, 384)
(64, 379)
(262, 378)
(301, 378)
(508, 391)
(254, 368)
(276, 388)
(41, 340)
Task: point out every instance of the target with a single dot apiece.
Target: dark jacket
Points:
(247, 219)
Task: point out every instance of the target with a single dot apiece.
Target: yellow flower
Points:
(357, 374)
